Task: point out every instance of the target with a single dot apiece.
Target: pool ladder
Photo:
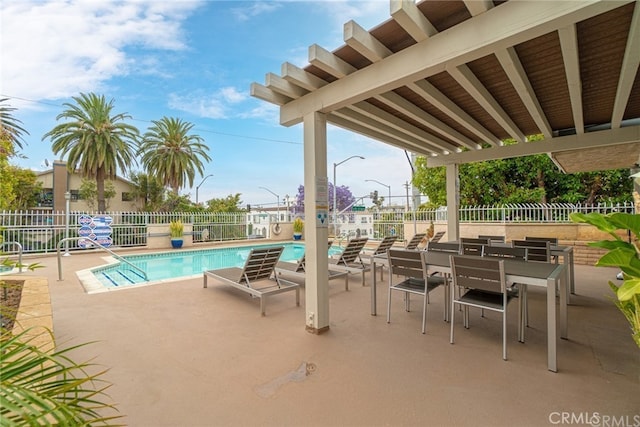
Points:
(115, 255)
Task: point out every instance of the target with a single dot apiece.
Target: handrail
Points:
(19, 253)
(93, 242)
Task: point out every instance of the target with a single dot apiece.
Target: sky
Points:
(193, 60)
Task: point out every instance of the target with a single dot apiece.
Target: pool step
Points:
(120, 278)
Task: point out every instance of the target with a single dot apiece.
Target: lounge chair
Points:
(349, 260)
(415, 241)
(257, 277)
(379, 251)
(297, 270)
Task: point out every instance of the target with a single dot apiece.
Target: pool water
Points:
(177, 264)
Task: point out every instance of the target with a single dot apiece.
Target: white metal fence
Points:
(40, 231)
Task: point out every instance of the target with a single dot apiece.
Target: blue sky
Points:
(195, 61)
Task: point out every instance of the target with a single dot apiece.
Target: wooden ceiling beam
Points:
(409, 17)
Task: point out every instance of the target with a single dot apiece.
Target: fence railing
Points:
(40, 231)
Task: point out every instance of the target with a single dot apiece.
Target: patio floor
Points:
(181, 355)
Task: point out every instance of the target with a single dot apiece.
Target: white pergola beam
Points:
(437, 98)
(409, 17)
(469, 82)
(328, 62)
(630, 67)
(412, 111)
(259, 91)
(515, 71)
(569, 46)
(280, 85)
(392, 121)
(345, 122)
(300, 77)
(409, 142)
(502, 27)
(364, 43)
(476, 7)
(601, 138)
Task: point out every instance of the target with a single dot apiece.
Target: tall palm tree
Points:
(98, 144)
(10, 130)
(171, 154)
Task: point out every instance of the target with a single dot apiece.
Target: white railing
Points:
(40, 231)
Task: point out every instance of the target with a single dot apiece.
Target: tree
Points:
(229, 204)
(97, 142)
(529, 179)
(20, 189)
(89, 193)
(11, 131)
(343, 195)
(376, 199)
(172, 154)
(147, 188)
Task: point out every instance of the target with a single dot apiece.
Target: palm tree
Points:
(10, 130)
(98, 144)
(172, 154)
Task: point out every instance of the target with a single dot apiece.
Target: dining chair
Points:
(553, 241)
(492, 239)
(452, 247)
(472, 246)
(412, 266)
(537, 250)
(515, 289)
(485, 286)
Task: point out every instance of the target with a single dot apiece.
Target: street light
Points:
(388, 186)
(67, 198)
(198, 187)
(277, 202)
(335, 192)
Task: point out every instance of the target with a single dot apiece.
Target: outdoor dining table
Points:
(542, 274)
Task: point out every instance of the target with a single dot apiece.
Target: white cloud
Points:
(216, 105)
(258, 8)
(55, 49)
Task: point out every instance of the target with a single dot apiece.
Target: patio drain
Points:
(269, 389)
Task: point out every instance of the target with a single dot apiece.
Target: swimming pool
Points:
(172, 265)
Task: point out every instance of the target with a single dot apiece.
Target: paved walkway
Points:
(181, 355)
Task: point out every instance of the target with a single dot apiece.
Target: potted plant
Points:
(298, 226)
(176, 230)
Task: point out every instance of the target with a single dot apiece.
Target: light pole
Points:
(277, 202)
(388, 186)
(67, 198)
(335, 191)
(201, 182)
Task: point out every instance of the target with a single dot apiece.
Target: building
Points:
(57, 181)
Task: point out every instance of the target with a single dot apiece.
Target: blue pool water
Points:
(176, 264)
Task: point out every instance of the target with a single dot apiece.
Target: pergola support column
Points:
(453, 201)
(316, 206)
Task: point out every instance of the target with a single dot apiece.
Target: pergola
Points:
(451, 80)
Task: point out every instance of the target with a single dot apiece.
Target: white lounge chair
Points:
(257, 277)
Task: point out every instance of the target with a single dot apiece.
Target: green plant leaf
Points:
(624, 258)
(611, 244)
(625, 221)
(628, 289)
(598, 220)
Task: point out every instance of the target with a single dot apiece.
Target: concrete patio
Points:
(181, 355)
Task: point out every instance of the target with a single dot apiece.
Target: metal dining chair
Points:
(412, 266)
(484, 283)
